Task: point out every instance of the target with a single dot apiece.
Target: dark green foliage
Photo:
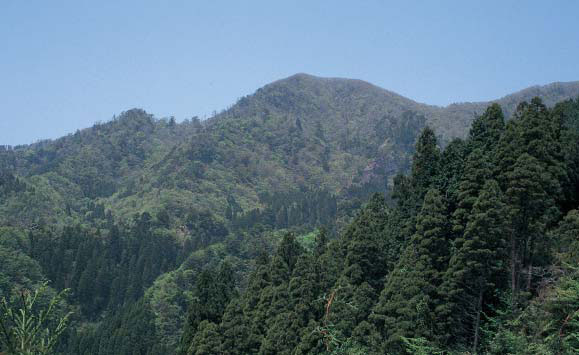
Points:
(145, 220)
(304, 207)
(531, 173)
(476, 268)
(477, 170)
(407, 304)
(366, 243)
(130, 331)
(452, 168)
(104, 272)
(212, 293)
(487, 129)
(425, 163)
(429, 274)
(566, 115)
(207, 340)
(566, 238)
(10, 184)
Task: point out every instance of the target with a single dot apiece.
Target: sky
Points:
(65, 65)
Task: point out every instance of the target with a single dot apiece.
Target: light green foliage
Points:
(27, 330)
(420, 346)
(137, 215)
(308, 241)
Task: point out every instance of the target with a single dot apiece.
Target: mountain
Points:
(343, 136)
(165, 233)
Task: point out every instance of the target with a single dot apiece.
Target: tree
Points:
(207, 339)
(528, 208)
(425, 163)
(567, 238)
(477, 170)
(451, 169)
(486, 130)
(365, 258)
(406, 307)
(211, 294)
(475, 268)
(27, 330)
(530, 170)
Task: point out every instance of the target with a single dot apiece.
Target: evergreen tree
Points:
(451, 170)
(207, 340)
(566, 115)
(475, 269)
(567, 238)
(406, 307)
(235, 330)
(365, 244)
(211, 294)
(486, 130)
(530, 170)
(477, 171)
(425, 163)
(528, 207)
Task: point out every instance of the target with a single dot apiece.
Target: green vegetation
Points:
(315, 216)
(26, 330)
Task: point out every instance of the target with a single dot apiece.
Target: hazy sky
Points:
(67, 64)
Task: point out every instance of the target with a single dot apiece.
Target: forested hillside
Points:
(477, 254)
(314, 216)
(342, 137)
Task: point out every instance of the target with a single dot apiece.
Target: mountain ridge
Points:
(450, 121)
(333, 133)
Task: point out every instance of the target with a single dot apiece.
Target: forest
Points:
(268, 232)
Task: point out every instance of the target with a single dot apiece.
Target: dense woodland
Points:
(267, 231)
(477, 254)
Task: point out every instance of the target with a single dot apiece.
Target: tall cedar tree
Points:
(566, 115)
(409, 191)
(212, 292)
(567, 238)
(486, 130)
(364, 269)
(425, 163)
(406, 307)
(475, 268)
(451, 170)
(530, 170)
(477, 170)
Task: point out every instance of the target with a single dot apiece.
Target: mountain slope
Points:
(343, 136)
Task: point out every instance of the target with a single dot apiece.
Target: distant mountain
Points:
(363, 102)
(346, 137)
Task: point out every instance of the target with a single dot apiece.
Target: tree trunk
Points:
(513, 268)
(477, 320)
(529, 275)
(530, 264)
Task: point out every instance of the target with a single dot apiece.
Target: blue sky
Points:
(65, 65)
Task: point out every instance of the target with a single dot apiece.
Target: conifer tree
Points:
(235, 330)
(304, 290)
(528, 207)
(256, 301)
(486, 130)
(207, 340)
(365, 239)
(477, 171)
(530, 170)
(282, 336)
(211, 294)
(425, 163)
(407, 304)
(451, 170)
(567, 238)
(475, 268)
